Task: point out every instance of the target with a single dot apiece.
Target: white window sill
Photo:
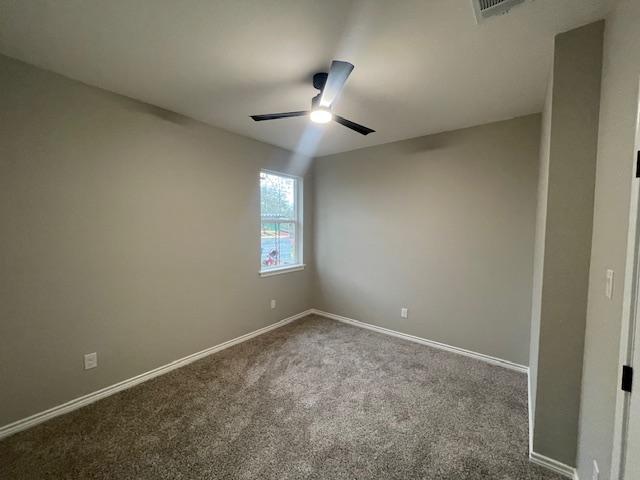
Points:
(277, 271)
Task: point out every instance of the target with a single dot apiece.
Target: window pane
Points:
(280, 241)
(278, 244)
(277, 197)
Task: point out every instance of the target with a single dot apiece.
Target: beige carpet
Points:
(315, 399)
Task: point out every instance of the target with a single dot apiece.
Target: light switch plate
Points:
(608, 289)
(404, 312)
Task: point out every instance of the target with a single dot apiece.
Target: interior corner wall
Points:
(443, 225)
(538, 254)
(127, 230)
(615, 174)
(568, 166)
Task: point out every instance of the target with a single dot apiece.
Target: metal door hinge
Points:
(627, 378)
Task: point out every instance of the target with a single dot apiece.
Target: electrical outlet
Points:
(273, 304)
(596, 471)
(90, 360)
(404, 312)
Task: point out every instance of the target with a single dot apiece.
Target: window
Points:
(280, 223)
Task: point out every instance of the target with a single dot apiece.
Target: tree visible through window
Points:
(280, 229)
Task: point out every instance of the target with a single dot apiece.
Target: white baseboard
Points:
(76, 403)
(431, 343)
(553, 465)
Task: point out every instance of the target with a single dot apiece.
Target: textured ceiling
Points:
(422, 66)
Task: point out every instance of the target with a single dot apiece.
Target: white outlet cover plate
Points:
(90, 360)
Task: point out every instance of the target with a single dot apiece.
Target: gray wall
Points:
(560, 297)
(616, 158)
(126, 230)
(443, 225)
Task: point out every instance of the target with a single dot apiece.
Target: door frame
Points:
(630, 311)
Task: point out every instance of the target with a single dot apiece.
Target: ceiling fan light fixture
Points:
(330, 86)
(321, 115)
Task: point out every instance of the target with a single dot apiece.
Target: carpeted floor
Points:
(315, 399)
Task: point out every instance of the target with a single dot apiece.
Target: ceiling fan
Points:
(330, 85)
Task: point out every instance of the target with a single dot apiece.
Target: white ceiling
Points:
(422, 66)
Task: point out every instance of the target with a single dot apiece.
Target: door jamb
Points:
(630, 313)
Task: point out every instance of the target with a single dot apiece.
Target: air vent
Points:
(488, 8)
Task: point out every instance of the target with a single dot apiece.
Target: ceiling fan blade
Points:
(275, 116)
(338, 75)
(353, 125)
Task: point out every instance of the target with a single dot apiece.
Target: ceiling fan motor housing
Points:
(319, 80)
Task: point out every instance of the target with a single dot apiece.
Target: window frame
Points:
(298, 220)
